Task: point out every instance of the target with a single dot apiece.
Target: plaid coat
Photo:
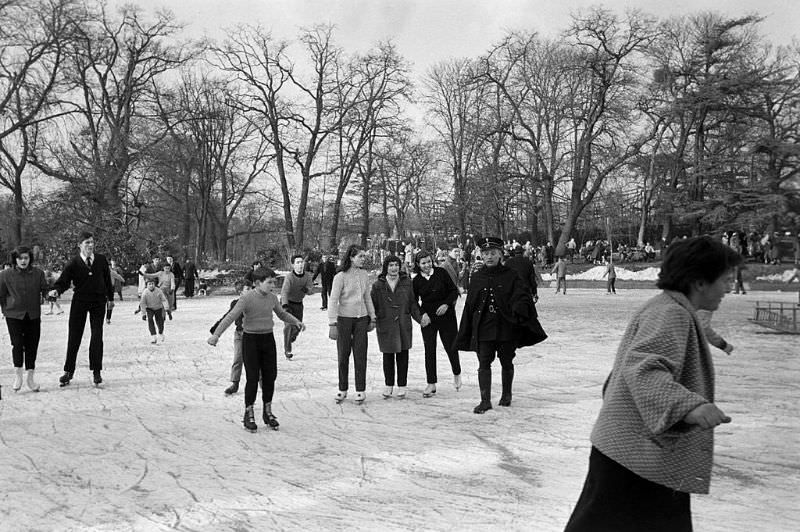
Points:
(663, 370)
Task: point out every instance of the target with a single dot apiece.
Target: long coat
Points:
(394, 312)
(662, 371)
(514, 305)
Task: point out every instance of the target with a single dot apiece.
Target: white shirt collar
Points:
(85, 257)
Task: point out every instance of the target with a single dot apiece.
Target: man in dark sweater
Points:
(296, 285)
(89, 274)
(327, 270)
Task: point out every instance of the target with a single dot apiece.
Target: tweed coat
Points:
(662, 371)
(393, 312)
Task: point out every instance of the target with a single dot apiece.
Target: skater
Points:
(436, 295)
(177, 272)
(351, 316)
(88, 273)
(153, 304)
(526, 270)
(296, 285)
(395, 306)
(326, 269)
(166, 283)
(737, 280)
(236, 367)
(189, 276)
(499, 316)
(560, 269)
(612, 278)
(258, 343)
(116, 280)
(795, 275)
(51, 279)
(21, 289)
(652, 443)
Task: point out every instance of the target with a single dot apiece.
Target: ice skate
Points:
(154, 339)
(457, 382)
(97, 378)
(288, 355)
(17, 379)
(161, 338)
(269, 419)
(360, 397)
(401, 392)
(340, 397)
(64, 379)
(387, 392)
(430, 391)
(233, 388)
(249, 420)
(32, 385)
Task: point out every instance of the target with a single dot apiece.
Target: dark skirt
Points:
(614, 499)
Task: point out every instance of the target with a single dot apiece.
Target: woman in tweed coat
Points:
(652, 444)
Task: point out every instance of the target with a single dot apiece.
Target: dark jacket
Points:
(90, 285)
(394, 312)
(189, 271)
(514, 305)
(177, 271)
(435, 292)
(326, 269)
(21, 292)
(524, 267)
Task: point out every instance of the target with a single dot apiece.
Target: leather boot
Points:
(508, 379)
(485, 385)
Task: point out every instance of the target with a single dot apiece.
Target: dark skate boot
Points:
(64, 379)
(508, 379)
(270, 420)
(96, 378)
(249, 420)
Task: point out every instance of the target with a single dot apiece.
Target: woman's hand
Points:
(212, 340)
(707, 416)
(301, 326)
(442, 309)
(425, 320)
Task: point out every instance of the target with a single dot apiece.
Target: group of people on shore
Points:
(652, 443)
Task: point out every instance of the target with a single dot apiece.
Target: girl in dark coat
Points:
(499, 316)
(21, 289)
(395, 306)
(437, 293)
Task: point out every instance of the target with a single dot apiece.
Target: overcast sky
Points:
(428, 31)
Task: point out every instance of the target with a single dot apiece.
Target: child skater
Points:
(236, 367)
(117, 280)
(152, 305)
(258, 343)
(53, 300)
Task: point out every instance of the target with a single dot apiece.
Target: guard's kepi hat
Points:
(491, 242)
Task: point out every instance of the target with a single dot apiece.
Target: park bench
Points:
(777, 316)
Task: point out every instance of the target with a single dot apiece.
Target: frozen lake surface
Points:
(160, 447)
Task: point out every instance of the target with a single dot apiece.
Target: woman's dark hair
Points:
(421, 255)
(347, 261)
(700, 258)
(387, 261)
(20, 250)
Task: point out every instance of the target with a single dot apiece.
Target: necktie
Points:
(89, 262)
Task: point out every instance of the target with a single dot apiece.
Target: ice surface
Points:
(160, 447)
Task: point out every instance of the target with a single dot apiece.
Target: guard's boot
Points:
(486, 401)
(508, 379)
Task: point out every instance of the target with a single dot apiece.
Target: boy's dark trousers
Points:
(290, 332)
(158, 316)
